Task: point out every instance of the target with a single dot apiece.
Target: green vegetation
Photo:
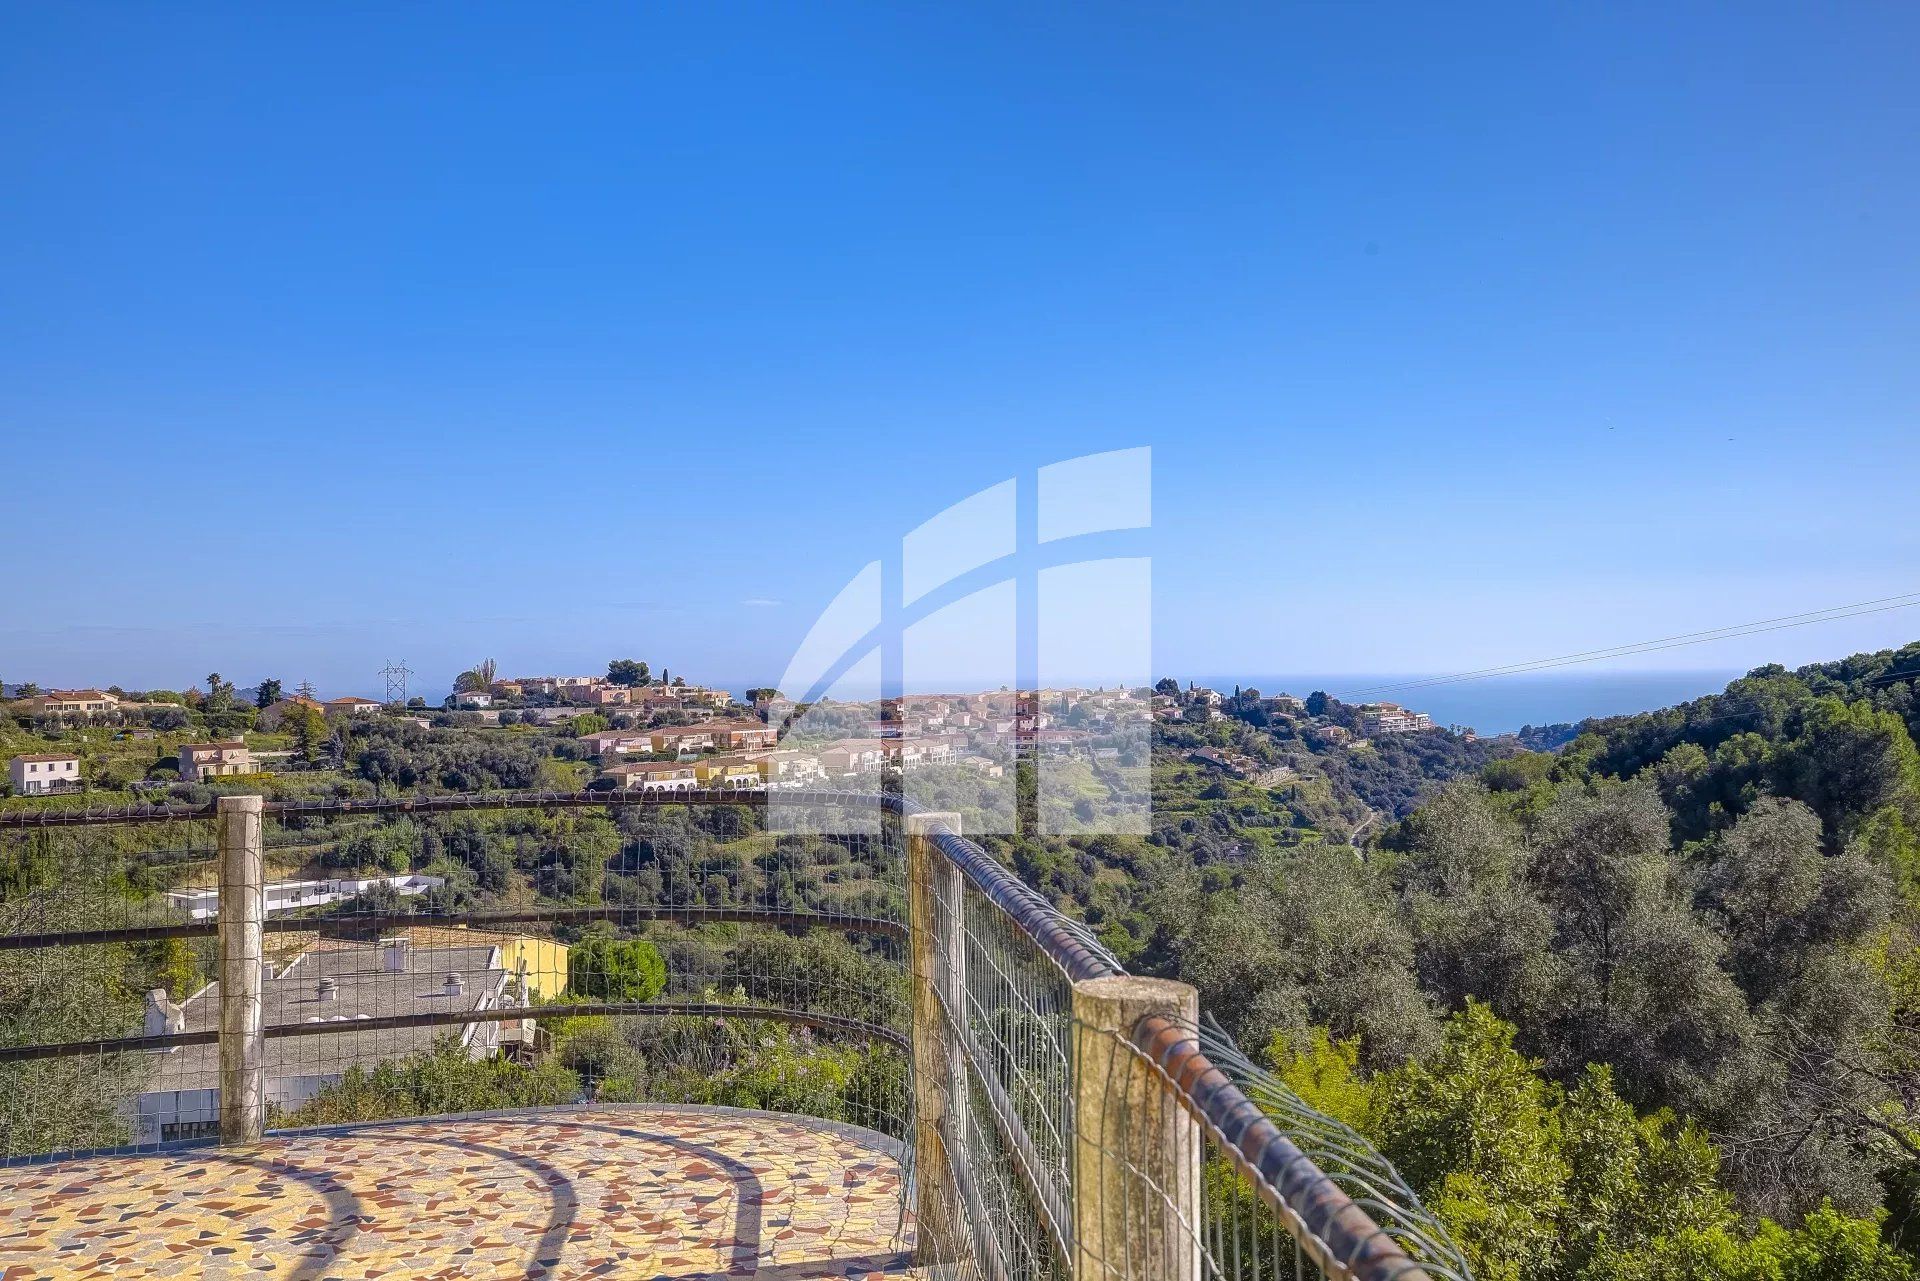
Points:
(444, 1079)
(674, 1059)
(67, 994)
(747, 1064)
(1566, 1184)
(625, 671)
(1691, 930)
(610, 969)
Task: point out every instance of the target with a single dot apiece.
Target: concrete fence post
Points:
(243, 903)
(1136, 1151)
(937, 948)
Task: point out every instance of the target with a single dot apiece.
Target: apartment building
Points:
(618, 742)
(913, 752)
(785, 768)
(742, 735)
(728, 773)
(852, 756)
(653, 776)
(1391, 718)
(683, 740)
(576, 689)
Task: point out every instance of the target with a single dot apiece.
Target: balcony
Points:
(666, 1036)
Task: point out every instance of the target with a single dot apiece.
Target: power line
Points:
(1834, 613)
(397, 674)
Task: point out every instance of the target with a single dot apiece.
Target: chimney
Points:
(393, 954)
(326, 990)
(455, 985)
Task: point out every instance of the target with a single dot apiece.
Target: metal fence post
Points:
(934, 938)
(242, 917)
(1136, 1151)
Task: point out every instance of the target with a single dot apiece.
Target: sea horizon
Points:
(1490, 705)
(1500, 704)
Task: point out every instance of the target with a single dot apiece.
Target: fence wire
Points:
(116, 895)
(476, 953)
(1154, 1149)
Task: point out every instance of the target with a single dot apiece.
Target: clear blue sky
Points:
(437, 333)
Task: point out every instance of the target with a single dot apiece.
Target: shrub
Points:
(616, 969)
(443, 1080)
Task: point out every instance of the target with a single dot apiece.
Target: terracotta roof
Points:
(48, 756)
(229, 745)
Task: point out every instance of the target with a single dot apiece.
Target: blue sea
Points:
(1500, 704)
(1493, 705)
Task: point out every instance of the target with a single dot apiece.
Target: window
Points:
(190, 1130)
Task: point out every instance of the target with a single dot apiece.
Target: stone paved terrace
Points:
(606, 1191)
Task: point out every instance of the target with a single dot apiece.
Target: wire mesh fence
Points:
(99, 944)
(462, 958)
(1084, 1124)
(619, 953)
(428, 957)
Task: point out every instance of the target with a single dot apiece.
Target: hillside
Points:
(1674, 957)
(1704, 916)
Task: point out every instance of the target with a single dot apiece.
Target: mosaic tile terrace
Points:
(599, 1192)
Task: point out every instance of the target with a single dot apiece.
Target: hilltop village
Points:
(631, 729)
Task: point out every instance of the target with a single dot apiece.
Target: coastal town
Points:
(629, 731)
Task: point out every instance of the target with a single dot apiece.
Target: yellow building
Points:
(542, 962)
(722, 772)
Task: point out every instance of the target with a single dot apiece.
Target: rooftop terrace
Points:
(628, 1191)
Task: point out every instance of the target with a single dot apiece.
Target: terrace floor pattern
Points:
(605, 1191)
